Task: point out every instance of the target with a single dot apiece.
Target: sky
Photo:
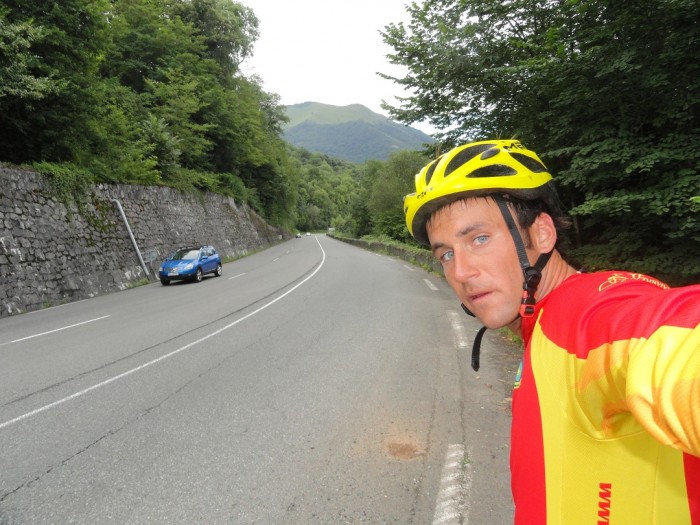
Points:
(327, 51)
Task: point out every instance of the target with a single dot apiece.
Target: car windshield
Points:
(185, 254)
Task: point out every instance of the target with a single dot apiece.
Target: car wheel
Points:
(219, 270)
(164, 282)
(198, 276)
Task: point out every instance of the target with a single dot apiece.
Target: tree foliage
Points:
(391, 181)
(61, 50)
(143, 91)
(325, 189)
(607, 92)
(17, 63)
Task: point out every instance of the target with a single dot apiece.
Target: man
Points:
(606, 407)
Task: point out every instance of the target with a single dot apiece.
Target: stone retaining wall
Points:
(51, 254)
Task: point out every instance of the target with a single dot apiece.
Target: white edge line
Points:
(239, 275)
(430, 285)
(52, 331)
(452, 504)
(460, 336)
(163, 357)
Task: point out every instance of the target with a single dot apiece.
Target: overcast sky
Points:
(326, 50)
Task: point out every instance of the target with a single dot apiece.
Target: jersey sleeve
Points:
(662, 380)
(634, 348)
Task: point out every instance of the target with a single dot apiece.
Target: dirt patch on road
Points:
(404, 450)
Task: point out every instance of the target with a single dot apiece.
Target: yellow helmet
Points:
(471, 170)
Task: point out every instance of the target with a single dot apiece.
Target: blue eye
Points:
(481, 239)
(447, 256)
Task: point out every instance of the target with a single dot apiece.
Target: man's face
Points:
(471, 240)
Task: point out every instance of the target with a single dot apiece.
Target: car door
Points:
(215, 259)
(209, 263)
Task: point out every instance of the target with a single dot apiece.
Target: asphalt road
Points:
(314, 382)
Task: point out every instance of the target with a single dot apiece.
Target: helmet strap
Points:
(531, 274)
(476, 348)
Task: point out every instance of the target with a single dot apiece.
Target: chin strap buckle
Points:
(532, 281)
(527, 305)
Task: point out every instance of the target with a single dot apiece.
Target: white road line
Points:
(239, 275)
(460, 335)
(452, 505)
(430, 285)
(52, 331)
(410, 268)
(42, 310)
(163, 357)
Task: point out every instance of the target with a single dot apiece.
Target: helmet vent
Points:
(494, 170)
(490, 153)
(430, 171)
(529, 162)
(465, 156)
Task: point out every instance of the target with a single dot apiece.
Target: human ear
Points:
(544, 233)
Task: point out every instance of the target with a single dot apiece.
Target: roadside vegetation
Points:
(607, 92)
(153, 92)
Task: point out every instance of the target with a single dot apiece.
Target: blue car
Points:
(190, 264)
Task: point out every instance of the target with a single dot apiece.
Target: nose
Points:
(464, 267)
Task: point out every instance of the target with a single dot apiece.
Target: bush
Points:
(69, 183)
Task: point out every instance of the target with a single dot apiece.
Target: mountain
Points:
(354, 133)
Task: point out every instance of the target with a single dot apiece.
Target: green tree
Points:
(17, 63)
(195, 112)
(177, 101)
(326, 187)
(160, 60)
(607, 92)
(361, 216)
(392, 181)
(229, 30)
(120, 151)
(247, 143)
(146, 42)
(53, 48)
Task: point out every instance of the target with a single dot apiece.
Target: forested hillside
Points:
(353, 133)
(152, 92)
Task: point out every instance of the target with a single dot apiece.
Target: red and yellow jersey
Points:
(606, 409)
